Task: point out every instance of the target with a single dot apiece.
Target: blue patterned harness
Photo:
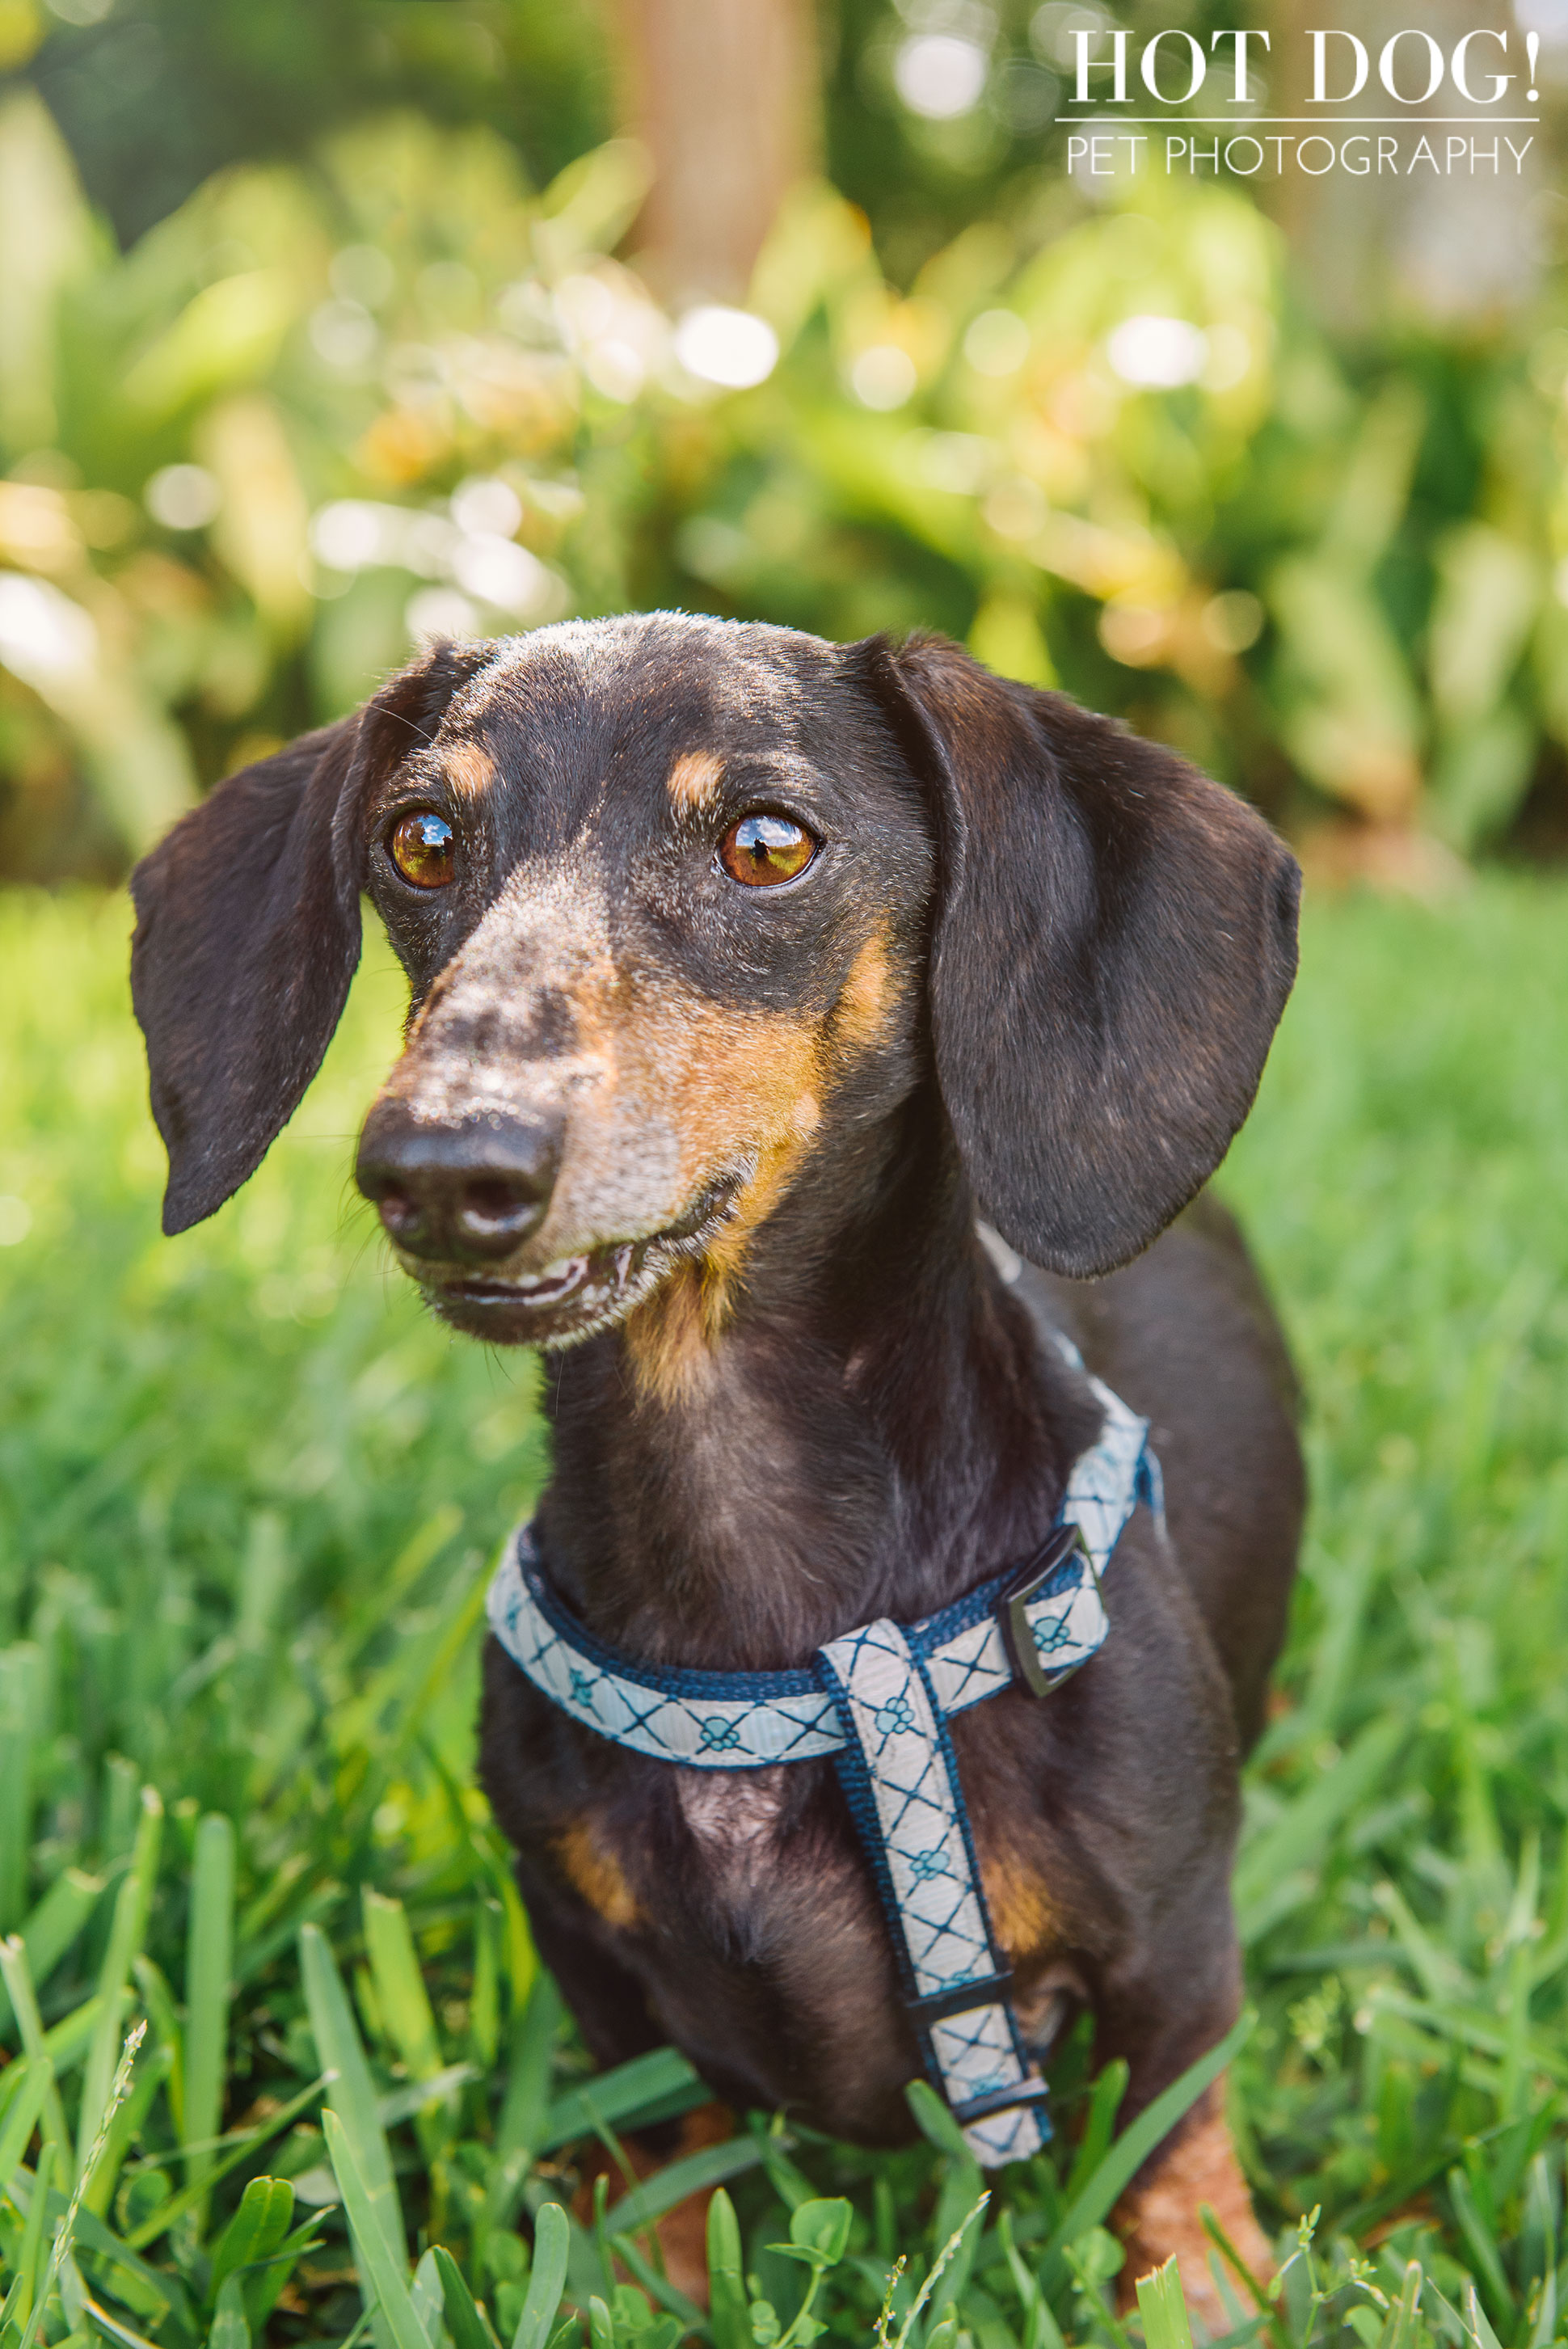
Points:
(878, 1701)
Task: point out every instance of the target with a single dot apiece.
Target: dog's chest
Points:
(734, 1818)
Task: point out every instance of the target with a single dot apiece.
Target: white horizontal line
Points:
(1321, 121)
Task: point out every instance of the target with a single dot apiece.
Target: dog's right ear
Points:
(247, 934)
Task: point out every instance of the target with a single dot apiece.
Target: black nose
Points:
(471, 1192)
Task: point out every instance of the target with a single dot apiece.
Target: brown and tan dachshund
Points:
(748, 972)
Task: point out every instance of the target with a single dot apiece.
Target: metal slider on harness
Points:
(1001, 2100)
(989, 1991)
(1012, 1609)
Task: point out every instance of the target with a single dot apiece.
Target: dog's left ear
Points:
(1113, 943)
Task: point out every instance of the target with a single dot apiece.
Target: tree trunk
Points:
(724, 95)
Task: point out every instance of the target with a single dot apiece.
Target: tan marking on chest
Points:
(1022, 1914)
(693, 781)
(597, 1875)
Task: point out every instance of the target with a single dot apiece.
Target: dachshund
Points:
(804, 1040)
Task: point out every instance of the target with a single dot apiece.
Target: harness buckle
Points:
(990, 1989)
(1031, 2091)
(1026, 1584)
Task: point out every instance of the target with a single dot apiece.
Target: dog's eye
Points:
(424, 849)
(762, 849)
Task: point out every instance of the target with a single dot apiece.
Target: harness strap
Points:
(900, 1776)
(877, 1702)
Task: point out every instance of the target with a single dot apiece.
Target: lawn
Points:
(248, 1495)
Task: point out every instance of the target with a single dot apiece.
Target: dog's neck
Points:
(875, 1428)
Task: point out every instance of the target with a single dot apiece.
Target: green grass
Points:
(247, 1499)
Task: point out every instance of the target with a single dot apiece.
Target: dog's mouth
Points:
(579, 1295)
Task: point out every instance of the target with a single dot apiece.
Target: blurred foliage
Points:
(323, 409)
(153, 95)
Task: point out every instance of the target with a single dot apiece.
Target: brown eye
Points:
(423, 849)
(762, 849)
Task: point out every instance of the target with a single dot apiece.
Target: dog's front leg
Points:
(1160, 2021)
(1158, 2217)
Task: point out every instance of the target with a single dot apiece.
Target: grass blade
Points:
(351, 2105)
(21, 1671)
(247, 2144)
(209, 1967)
(725, 2279)
(523, 2131)
(52, 1927)
(1163, 2308)
(1096, 2198)
(132, 1903)
(1104, 2104)
(352, 2094)
(382, 2273)
(464, 2323)
(40, 2050)
(22, 2114)
(18, 2305)
(400, 1986)
(712, 2166)
(641, 2090)
(551, 2241)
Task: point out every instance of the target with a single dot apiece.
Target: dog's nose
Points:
(468, 1193)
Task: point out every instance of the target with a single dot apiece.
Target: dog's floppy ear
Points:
(247, 935)
(1113, 943)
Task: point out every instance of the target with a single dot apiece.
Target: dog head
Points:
(683, 904)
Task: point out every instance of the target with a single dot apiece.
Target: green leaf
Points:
(1476, 2325)
(822, 2228)
(255, 2230)
(601, 2325)
(552, 2243)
